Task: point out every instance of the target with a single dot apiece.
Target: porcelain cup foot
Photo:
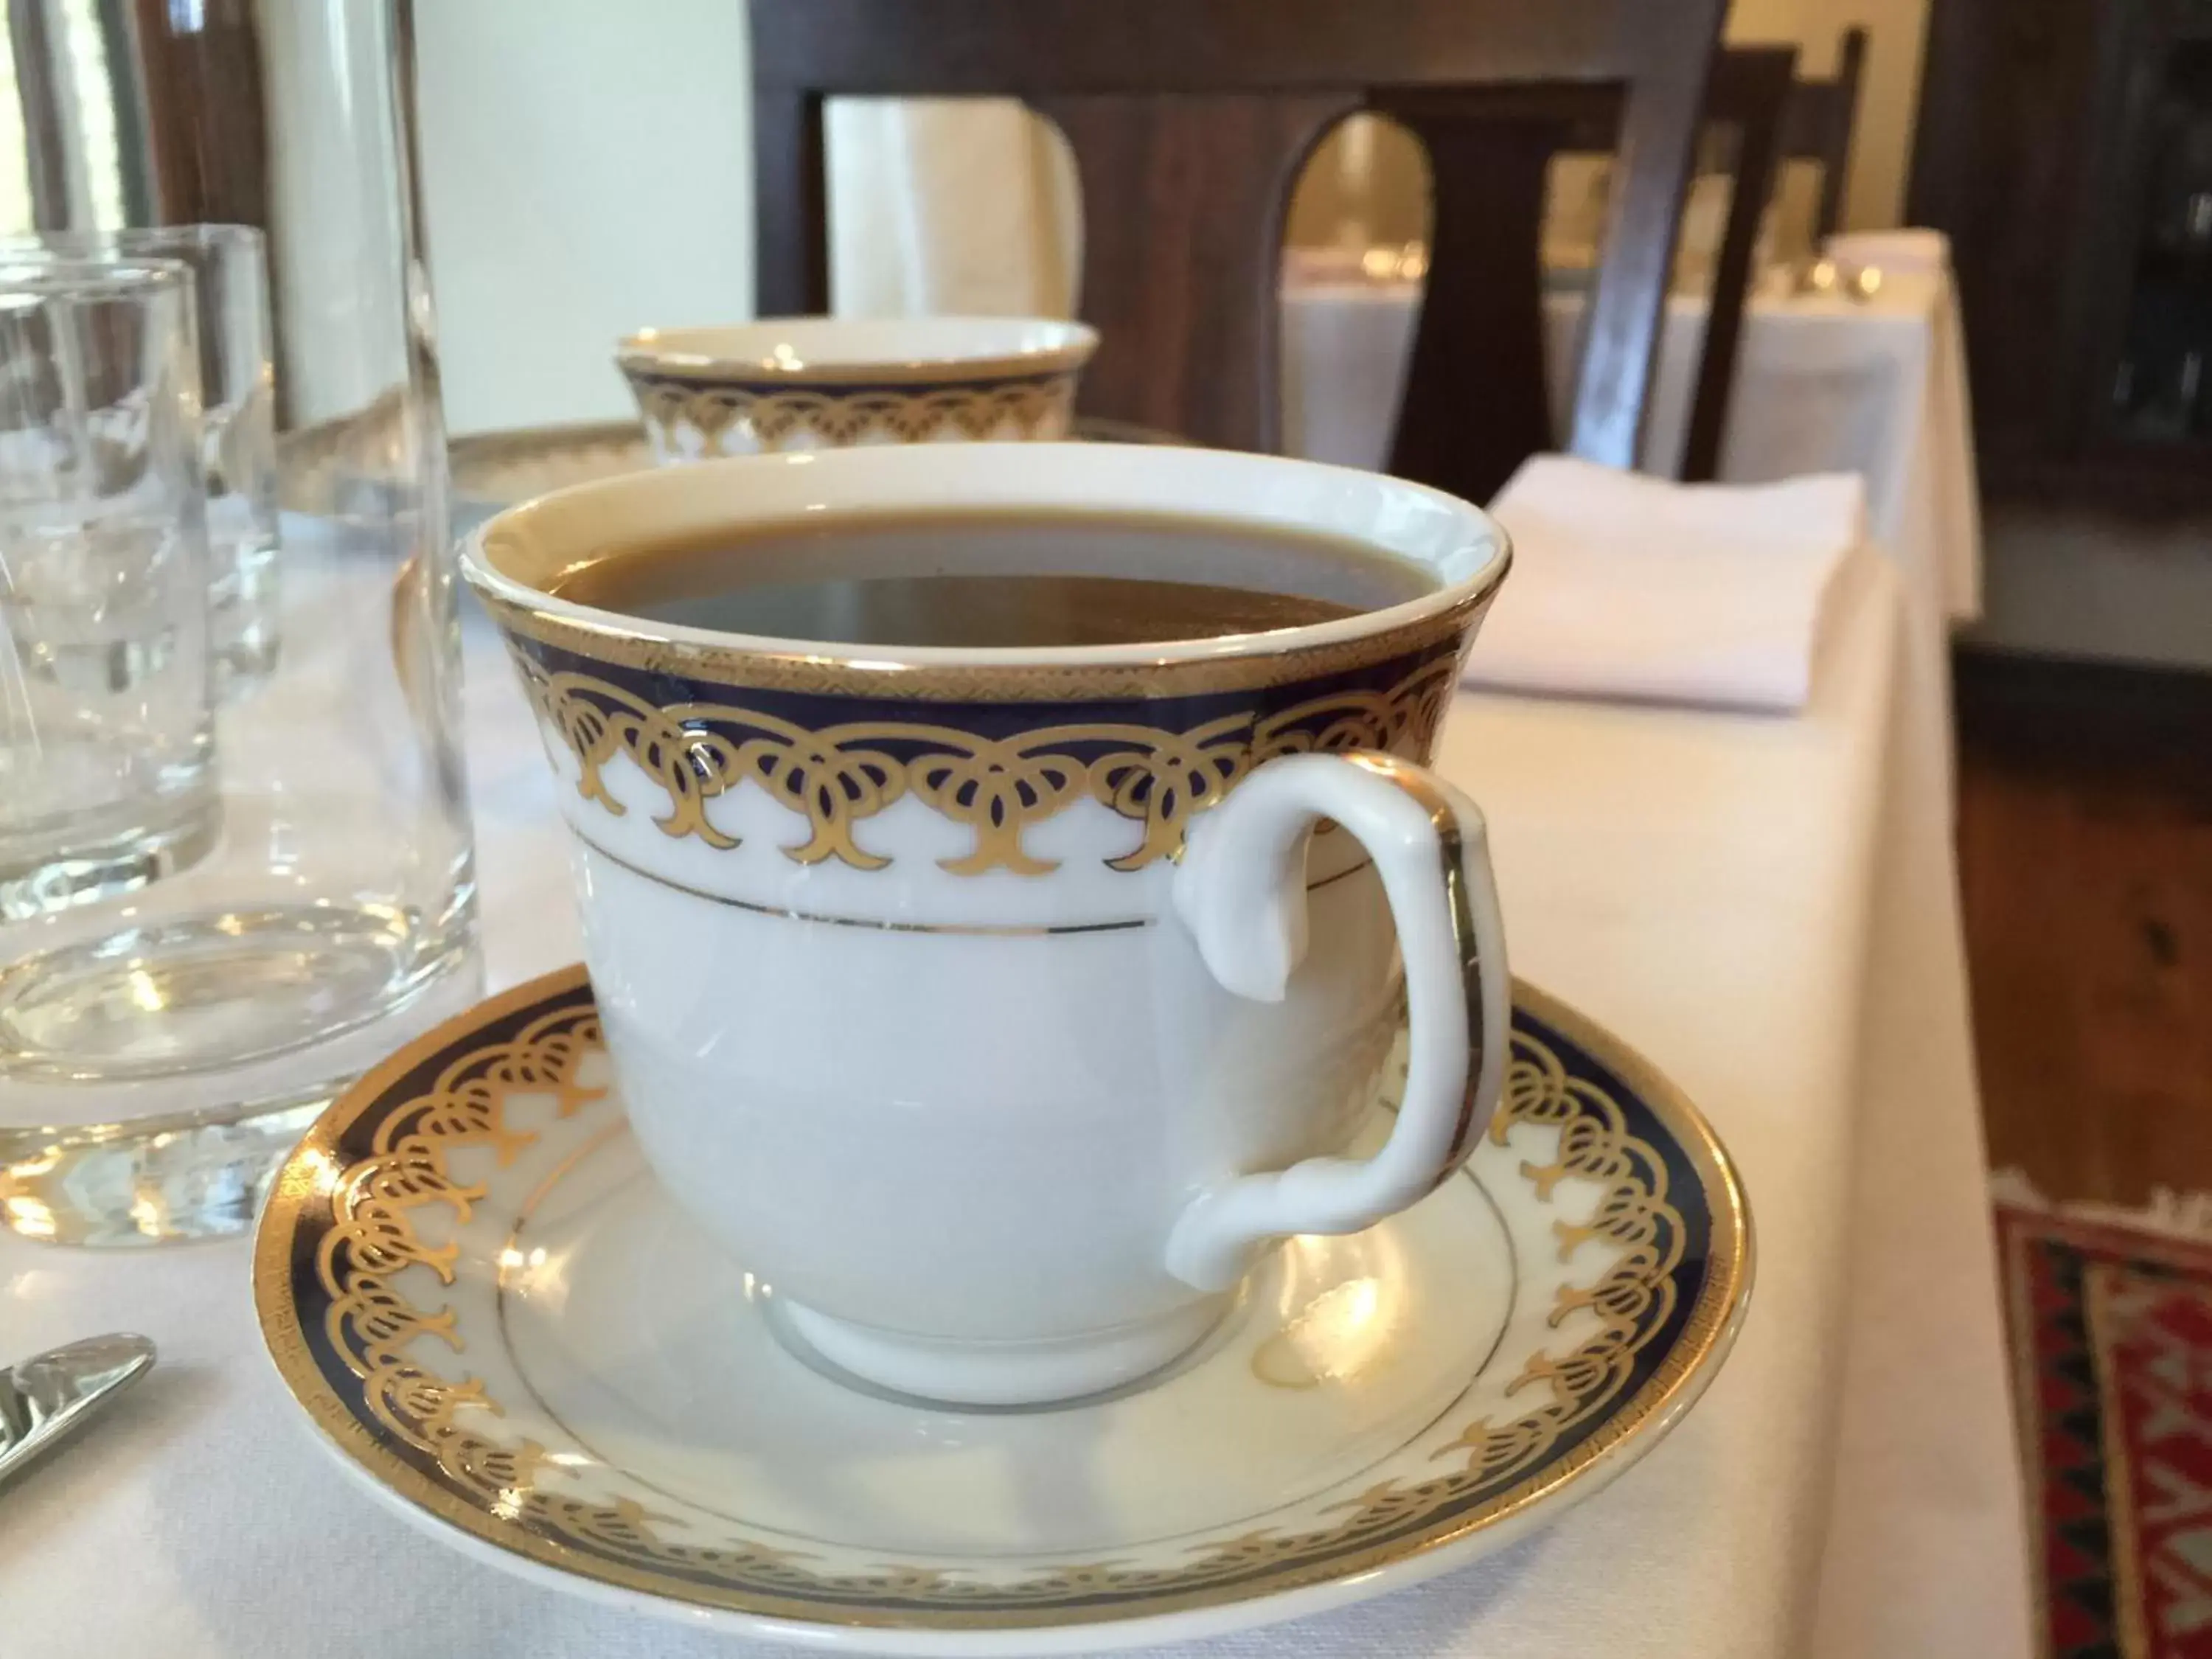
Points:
(1004, 1373)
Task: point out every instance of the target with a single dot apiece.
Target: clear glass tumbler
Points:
(161, 1050)
(106, 742)
(229, 265)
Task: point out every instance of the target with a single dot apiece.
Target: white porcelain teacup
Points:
(803, 383)
(997, 1007)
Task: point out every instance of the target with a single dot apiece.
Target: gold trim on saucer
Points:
(355, 1185)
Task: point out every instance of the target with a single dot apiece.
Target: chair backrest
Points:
(1189, 120)
(1490, 155)
(1821, 120)
(1752, 90)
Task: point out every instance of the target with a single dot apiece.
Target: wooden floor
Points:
(2086, 854)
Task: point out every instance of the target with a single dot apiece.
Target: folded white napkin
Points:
(1891, 250)
(1633, 587)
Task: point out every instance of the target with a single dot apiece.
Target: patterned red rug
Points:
(2111, 1339)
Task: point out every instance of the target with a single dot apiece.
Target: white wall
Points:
(2079, 584)
(586, 171)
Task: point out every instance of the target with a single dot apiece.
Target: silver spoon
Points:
(48, 1398)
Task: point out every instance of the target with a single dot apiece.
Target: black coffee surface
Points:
(979, 581)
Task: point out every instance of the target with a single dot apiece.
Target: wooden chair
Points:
(1775, 118)
(1818, 126)
(1752, 90)
(1189, 120)
(1747, 96)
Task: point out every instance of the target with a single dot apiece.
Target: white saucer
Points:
(471, 1283)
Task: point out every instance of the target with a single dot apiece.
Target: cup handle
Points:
(1241, 890)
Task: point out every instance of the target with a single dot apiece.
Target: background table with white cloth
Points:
(1824, 383)
(1763, 905)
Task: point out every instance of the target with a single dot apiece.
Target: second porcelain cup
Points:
(800, 383)
(997, 1007)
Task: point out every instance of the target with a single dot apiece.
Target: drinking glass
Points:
(229, 265)
(106, 745)
(162, 1049)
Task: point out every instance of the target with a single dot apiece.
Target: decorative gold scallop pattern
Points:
(997, 788)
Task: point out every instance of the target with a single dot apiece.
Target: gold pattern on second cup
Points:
(1042, 407)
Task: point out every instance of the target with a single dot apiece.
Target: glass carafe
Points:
(162, 1045)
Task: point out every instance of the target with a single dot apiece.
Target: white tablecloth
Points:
(1763, 905)
(1823, 385)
